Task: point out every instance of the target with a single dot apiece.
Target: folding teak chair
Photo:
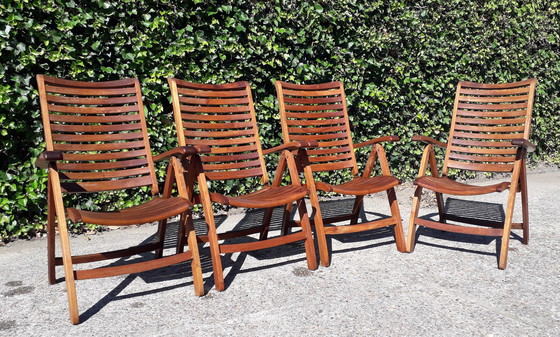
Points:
(489, 133)
(318, 113)
(223, 117)
(96, 140)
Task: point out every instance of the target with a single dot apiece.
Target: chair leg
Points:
(524, 205)
(320, 230)
(440, 206)
(398, 229)
(309, 243)
(358, 202)
(286, 217)
(214, 247)
(507, 228)
(162, 227)
(51, 236)
(413, 215)
(188, 228)
(267, 217)
(181, 236)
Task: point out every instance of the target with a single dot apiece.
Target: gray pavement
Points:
(450, 285)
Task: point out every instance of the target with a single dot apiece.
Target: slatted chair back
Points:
(101, 130)
(486, 117)
(318, 112)
(222, 117)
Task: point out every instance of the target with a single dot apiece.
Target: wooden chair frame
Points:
(223, 117)
(319, 113)
(88, 127)
(489, 133)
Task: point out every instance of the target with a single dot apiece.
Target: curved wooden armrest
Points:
(377, 140)
(524, 143)
(429, 140)
(295, 145)
(47, 157)
(182, 151)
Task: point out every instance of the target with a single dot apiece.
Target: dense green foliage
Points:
(400, 62)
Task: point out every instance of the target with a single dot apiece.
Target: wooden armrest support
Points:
(46, 157)
(377, 140)
(295, 145)
(524, 143)
(429, 140)
(182, 151)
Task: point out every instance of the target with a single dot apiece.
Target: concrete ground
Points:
(450, 285)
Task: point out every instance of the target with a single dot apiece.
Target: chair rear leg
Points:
(441, 208)
(413, 215)
(214, 249)
(286, 218)
(51, 236)
(309, 244)
(188, 228)
(358, 202)
(162, 227)
(320, 230)
(524, 205)
(398, 229)
(267, 217)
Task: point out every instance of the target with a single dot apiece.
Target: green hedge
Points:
(400, 62)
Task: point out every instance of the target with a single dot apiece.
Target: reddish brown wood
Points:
(97, 140)
(223, 117)
(489, 132)
(318, 112)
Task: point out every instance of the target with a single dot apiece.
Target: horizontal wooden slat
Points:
(90, 91)
(92, 110)
(125, 82)
(491, 159)
(106, 185)
(233, 149)
(211, 93)
(311, 93)
(480, 166)
(480, 143)
(489, 128)
(228, 126)
(213, 101)
(226, 158)
(315, 107)
(327, 136)
(232, 165)
(104, 156)
(215, 110)
(467, 84)
(494, 92)
(487, 121)
(94, 119)
(232, 117)
(332, 150)
(105, 174)
(95, 128)
(492, 151)
(332, 166)
(92, 101)
(512, 106)
(220, 142)
(314, 115)
(318, 86)
(97, 138)
(330, 121)
(113, 165)
(238, 174)
(99, 147)
(490, 114)
(302, 100)
(329, 129)
(219, 134)
(333, 158)
(494, 99)
(476, 135)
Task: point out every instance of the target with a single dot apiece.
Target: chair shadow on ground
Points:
(478, 210)
(251, 218)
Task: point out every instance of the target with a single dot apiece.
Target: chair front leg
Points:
(187, 224)
(277, 181)
(411, 242)
(515, 177)
(524, 202)
(51, 234)
(398, 229)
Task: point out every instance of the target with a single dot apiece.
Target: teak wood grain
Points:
(318, 113)
(489, 133)
(223, 118)
(96, 140)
